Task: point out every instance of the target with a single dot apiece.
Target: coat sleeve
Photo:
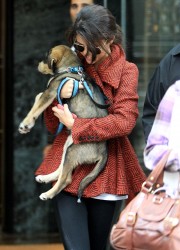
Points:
(122, 116)
(51, 120)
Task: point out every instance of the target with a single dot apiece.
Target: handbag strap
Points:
(156, 176)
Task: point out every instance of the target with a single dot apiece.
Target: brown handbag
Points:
(151, 220)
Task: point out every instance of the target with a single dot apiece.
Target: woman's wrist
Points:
(70, 123)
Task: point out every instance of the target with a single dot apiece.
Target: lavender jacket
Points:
(165, 132)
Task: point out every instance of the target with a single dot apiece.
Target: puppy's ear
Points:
(52, 64)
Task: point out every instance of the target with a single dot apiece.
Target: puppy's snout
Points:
(44, 69)
(41, 66)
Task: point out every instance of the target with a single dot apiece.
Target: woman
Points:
(97, 40)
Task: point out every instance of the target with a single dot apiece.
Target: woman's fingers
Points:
(64, 115)
(81, 86)
(67, 89)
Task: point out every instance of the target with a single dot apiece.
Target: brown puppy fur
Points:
(59, 59)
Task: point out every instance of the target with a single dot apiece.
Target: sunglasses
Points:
(81, 48)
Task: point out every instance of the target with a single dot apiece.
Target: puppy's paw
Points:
(43, 178)
(40, 179)
(25, 127)
(43, 197)
(46, 196)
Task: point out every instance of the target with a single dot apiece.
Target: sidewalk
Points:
(33, 247)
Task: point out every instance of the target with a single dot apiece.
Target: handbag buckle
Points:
(157, 199)
(147, 186)
(131, 218)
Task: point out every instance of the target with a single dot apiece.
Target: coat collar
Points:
(110, 70)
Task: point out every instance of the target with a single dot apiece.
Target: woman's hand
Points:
(67, 89)
(64, 116)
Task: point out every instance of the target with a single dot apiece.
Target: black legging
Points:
(85, 225)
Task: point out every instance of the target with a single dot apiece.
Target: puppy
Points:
(61, 59)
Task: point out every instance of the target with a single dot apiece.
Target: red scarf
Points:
(110, 70)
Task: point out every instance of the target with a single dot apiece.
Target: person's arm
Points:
(122, 116)
(158, 139)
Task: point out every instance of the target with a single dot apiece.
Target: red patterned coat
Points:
(122, 175)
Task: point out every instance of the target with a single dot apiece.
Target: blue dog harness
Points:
(75, 70)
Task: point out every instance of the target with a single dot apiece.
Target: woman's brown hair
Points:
(95, 24)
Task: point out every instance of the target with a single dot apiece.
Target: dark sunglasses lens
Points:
(98, 51)
(78, 47)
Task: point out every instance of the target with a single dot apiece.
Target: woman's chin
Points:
(88, 60)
